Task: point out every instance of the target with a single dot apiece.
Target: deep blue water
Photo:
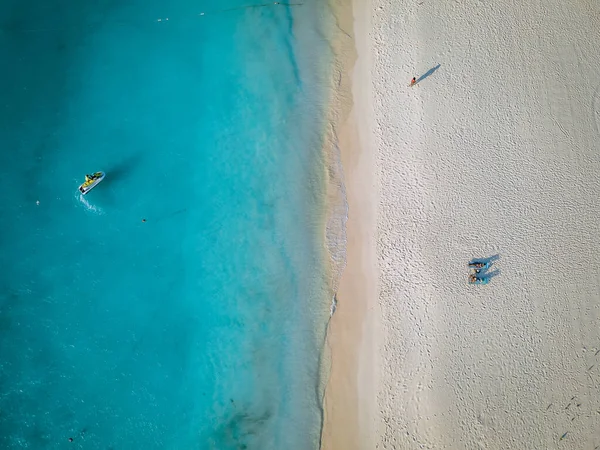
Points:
(202, 327)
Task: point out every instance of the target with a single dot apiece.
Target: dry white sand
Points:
(497, 152)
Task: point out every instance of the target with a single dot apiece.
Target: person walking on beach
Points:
(413, 81)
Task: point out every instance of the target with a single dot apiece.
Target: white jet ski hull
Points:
(88, 188)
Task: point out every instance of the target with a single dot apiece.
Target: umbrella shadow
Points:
(117, 177)
(428, 73)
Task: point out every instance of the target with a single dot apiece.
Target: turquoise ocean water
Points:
(202, 327)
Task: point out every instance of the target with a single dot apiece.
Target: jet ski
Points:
(91, 181)
(474, 279)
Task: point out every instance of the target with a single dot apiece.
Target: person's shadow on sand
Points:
(489, 259)
(428, 73)
(489, 274)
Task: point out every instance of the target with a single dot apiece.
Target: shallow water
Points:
(202, 326)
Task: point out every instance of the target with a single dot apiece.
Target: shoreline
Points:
(349, 405)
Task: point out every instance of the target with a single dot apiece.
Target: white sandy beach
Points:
(495, 154)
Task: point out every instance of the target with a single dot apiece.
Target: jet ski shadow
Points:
(123, 170)
(117, 178)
